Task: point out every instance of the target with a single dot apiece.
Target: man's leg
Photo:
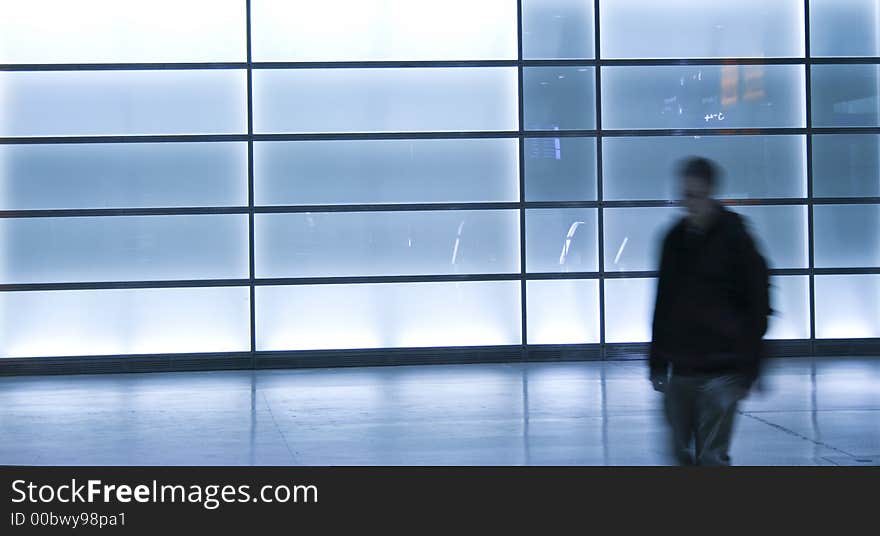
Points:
(716, 409)
(679, 401)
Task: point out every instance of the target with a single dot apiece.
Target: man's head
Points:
(699, 178)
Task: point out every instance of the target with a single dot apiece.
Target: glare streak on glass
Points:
(562, 240)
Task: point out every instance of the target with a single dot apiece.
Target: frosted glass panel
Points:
(846, 95)
(563, 312)
(130, 321)
(114, 31)
(388, 315)
(559, 98)
(753, 166)
(847, 306)
(562, 240)
(66, 103)
(846, 165)
(116, 175)
(790, 299)
(376, 30)
(689, 29)
(386, 171)
(703, 96)
(845, 27)
(387, 243)
(123, 248)
(634, 236)
(846, 236)
(385, 100)
(554, 29)
(629, 309)
(780, 233)
(560, 169)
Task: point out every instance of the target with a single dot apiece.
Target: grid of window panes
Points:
(186, 176)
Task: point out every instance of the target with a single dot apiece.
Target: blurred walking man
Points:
(709, 320)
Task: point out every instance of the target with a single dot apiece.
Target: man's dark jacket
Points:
(712, 300)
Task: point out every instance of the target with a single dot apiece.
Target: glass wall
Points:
(286, 175)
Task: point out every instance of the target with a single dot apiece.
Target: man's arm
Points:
(753, 271)
(659, 366)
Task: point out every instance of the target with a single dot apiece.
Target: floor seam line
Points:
(795, 434)
(290, 451)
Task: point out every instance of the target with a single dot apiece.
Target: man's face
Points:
(697, 198)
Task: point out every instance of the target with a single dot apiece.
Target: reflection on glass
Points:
(559, 98)
(845, 95)
(703, 96)
(386, 171)
(634, 236)
(645, 168)
(689, 29)
(83, 103)
(560, 169)
(427, 99)
(127, 321)
(847, 236)
(122, 175)
(563, 311)
(383, 30)
(629, 309)
(845, 28)
(779, 232)
(386, 243)
(846, 306)
(554, 29)
(388, 315)
(846, 165)
(123, 248)
(561, 240)
(790, 300)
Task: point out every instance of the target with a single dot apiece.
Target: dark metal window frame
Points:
(262, 359)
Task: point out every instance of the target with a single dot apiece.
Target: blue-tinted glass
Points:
(120, 175)
(559, 98)
(560, 169)
(83, 103)
(388, 315)
(846, 236)
(127, 321)
(123, 248)
(846, 165)
(386, 243)
(847, 306)
(385, 100)
(562, 240)
(845, 95)
(629, 309)
(386, 171)
(845, 27)
(780, 233)
(703, 96)
(557, 29)
(633, 237)
(563, 311)
(790, 300)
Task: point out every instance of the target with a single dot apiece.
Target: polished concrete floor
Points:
(813, 412)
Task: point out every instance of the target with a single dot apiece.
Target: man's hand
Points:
(658, 382)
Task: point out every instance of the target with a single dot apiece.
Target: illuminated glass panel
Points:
(562, 240)
(847, 306)
(563, 311)
(560, 29)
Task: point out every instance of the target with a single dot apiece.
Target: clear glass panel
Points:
(634, 236)
(129, 321)
(554, 29)
(123, 248)
(385, 100)
(703, 96)
(559, 98)
(845, 28)
(790, 299)
(386, 171)
(846, 236)
(754, 167)
(845, 95)
(383, 30)
(388, 315)
(780, 233)
(114, 31)
(847, 306)
(689, 29)
(386, 243)
(563, 311)
(560, 169)
(846, 165)
(70, 103)
(562, 240)
(629, 309)
(122, 175)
